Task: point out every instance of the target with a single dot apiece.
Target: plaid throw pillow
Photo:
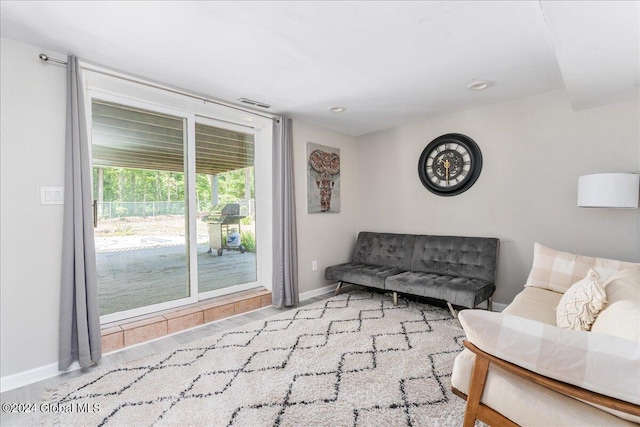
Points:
(557, 271)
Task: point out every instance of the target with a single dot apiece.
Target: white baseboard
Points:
(317, 292)
(498, 306)
(31, 376)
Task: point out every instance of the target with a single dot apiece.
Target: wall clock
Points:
(450, 164)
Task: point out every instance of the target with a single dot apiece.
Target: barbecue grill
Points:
(218, 225)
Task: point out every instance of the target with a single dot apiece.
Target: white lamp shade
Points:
(609, 190)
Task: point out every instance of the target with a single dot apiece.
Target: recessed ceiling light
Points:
(479, 85)
(337, 109)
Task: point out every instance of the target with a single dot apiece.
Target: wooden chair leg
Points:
(395, 298)
(476, 387)
(338, 288)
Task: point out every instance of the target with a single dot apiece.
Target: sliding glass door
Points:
(227, 247)
(175, 207)
(140, 190)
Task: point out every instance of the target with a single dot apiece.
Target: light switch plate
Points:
(52, 195)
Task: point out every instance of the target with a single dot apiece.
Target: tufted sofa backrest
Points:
(471, 257)
(386, 249)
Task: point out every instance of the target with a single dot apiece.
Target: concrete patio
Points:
(134, 277)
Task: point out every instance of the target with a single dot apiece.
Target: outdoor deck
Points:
(134, 277)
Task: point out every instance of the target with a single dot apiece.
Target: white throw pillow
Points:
(621, 317)
(581, 303)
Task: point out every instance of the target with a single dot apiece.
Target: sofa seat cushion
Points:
(527, 403)
(361, 274)
(601, 363)
(460, 291)
(535, 304)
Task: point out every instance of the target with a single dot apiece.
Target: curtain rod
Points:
(47, 58)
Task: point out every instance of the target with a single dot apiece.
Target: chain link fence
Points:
(110, 210)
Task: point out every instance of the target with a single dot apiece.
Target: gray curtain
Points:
(285, 246)
(79, 332)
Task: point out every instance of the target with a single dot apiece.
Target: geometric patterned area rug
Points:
(351, 360)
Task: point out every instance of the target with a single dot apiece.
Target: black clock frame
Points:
(471, 178)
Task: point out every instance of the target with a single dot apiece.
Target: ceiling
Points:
(388, 63)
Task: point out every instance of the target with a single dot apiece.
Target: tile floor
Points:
(134, 331)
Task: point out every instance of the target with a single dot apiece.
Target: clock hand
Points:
(447, 165)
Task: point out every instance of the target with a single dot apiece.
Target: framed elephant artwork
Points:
(323, 179)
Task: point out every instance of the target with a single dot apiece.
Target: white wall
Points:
(534, 149)
(33, 97)
(328, 238)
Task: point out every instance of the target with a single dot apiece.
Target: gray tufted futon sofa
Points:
(458, 270)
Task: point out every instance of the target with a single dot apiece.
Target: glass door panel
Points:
(226, 227)
(140, 191)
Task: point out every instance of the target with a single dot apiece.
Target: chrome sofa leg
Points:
(453, 311)
(395, 298)
(338, 288)
(490, 304)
